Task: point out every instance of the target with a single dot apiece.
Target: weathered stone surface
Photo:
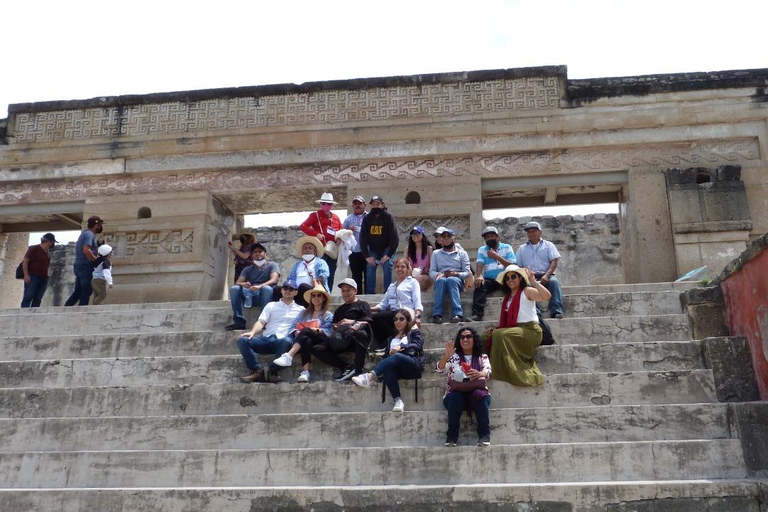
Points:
(750, 420)
(731, 364)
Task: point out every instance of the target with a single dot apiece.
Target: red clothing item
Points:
(39, 261)
(318, 222)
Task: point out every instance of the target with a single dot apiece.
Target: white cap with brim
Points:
(311, 240)
(513, 268)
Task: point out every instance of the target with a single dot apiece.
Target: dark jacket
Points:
(378, 235)
(414, 348)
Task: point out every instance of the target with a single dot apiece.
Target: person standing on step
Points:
(254, 286)
(354, 223)
(542, 257)
(403, 360)
(492, 258)
(271, 334)
(244, 255)
(323, 225)
(102, 275)
(403, 293)
(449, 268)
(378, 243)
(419, 254)
(311, 270)
(313, 327)
(351, 332)
(468, 369)
(85, 255)
(514, 341)
(35, 268)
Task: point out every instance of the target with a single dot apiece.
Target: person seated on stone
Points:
(468, 369)
(518, 334)
(492, 258)
(323, 225)
(271, 334)
(448, 268)
(403, 293)
(403, 360)
(542, 257)
(243, 255)
(379, 239)
(351, 332)
(419, 254)
(254, 287)
(310, 270)
(438, 237)
(313, 326)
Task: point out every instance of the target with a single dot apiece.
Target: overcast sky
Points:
(83, 49)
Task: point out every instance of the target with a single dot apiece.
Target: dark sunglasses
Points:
(512, 275)
(289, 288)
(400, 319)
(466, 336)
(316, 295)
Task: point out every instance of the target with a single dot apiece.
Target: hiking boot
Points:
(256, 376)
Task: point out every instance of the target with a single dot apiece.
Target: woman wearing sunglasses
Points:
(313, 326)
(468, 369)
(514, 341)
(404, 360)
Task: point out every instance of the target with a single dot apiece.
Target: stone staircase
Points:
(138, 407)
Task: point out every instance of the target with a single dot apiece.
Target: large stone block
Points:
(731, 364)
(751, 423)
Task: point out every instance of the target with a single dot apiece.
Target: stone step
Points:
(579, 305)
(621, 461)
(712, 495)
(133, 343)
(572, 389)
(370, 429)
(171, 370)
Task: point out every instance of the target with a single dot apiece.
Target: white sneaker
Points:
(304, 377)
(399, 405)
(284, 360)
(363, 380)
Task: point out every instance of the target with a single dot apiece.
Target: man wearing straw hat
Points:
(323, 224)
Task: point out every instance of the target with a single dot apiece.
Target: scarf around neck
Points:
(513, 308)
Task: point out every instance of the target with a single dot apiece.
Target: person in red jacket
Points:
(323, 224)
(35, 267)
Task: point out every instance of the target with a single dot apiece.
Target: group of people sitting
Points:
(300, 321)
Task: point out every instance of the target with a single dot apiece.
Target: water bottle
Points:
(248, 302)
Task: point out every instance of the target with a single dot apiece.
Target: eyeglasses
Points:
(400, 319)
(512, 275)
(466, 336)
(317, 295)
(415, 233)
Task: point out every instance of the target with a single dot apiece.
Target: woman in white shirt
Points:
(404, 292)
(514, 341)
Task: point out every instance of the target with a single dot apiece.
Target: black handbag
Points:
(19, 272)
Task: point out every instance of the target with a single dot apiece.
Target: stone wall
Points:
(589, 245)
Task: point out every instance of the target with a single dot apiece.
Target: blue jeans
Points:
(34, 291)
(556, 289)
(331, 269)
(370, 274)
(83, 289)
(453, 285)
(249, 347)
(237, 295)
(456, 402)
(394, 367)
